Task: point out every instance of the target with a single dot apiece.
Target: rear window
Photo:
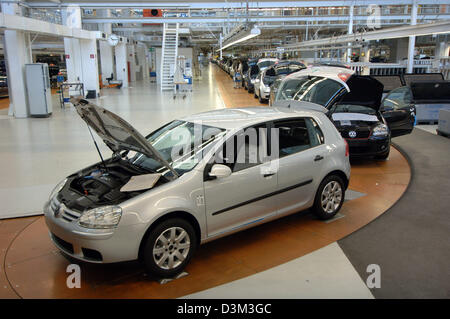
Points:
(265, 64)
(315, 89)
(350, 108)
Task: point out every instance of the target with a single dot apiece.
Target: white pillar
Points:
(142, 67)
(81, 54)
(121, 63)
(106, 60)
(89, 64)
(412, 39)
(73, 60)
(72, 18)
(366, 58)
(131, 51)
(17, 50)
(18, 53)
(350, 31)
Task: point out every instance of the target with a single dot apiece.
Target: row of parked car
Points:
(365, 114)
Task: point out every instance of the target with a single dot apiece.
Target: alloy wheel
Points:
(171, 248)
(331, 197)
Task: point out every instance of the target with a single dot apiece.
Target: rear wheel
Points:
(170, 247)
(329, 198)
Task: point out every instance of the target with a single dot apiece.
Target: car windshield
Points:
(182, 144)
(315, 89)
(350, 108)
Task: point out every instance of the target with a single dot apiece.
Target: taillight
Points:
(344, 76)
(347, 150)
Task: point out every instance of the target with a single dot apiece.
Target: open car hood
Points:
(117, 134)
(364, 90)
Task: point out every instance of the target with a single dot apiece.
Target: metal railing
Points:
(388, 68)
(48, 15)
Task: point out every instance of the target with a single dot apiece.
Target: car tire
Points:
(260, 99)
(383, 156)
(156, 250)
(328, 202)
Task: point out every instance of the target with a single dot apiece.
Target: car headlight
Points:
(380, 130)
(57, 188)
(101, 217)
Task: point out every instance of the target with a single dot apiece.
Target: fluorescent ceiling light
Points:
(243, 36)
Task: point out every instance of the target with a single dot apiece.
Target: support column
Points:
(142, 67)
(366, 59)
(18, 53)
(131, 51)
(106, 60)
(81, 55)
(121, 63)
(73, 60)
(350, 31)
(89, 65)
(412, 39)
(17, 50)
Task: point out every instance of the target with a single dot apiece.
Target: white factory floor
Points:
(38, 152)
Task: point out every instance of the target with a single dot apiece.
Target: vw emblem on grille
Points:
(352, 134)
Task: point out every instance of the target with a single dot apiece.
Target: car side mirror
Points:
(220, 171)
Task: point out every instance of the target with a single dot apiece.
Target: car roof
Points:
(329, 72)
(236, 118)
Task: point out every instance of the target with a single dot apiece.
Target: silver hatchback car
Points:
(194, 180)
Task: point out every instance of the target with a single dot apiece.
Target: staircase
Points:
(169, 55)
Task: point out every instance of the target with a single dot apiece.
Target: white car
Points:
(194, 180)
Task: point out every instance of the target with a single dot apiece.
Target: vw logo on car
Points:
(352, 134)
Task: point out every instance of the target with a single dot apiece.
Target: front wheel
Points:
(383, 156)
(329, 198)
(169, 247)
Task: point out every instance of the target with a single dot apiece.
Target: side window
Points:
(398, 98)
(293, 136)
(244, 150)
(315, 133)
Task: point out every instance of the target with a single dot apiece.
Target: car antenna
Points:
(98, 150)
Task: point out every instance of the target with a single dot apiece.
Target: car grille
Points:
(359, 133)
(59, 210)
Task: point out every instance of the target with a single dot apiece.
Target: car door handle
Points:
(269, 174)
(318, 158)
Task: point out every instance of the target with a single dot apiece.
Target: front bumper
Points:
(265, 94)
(94, 245)
(367, 147)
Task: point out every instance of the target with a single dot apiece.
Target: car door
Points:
(243, 198)
(399, 111)
(302, 153)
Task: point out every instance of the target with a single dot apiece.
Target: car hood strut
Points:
(115, 132)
